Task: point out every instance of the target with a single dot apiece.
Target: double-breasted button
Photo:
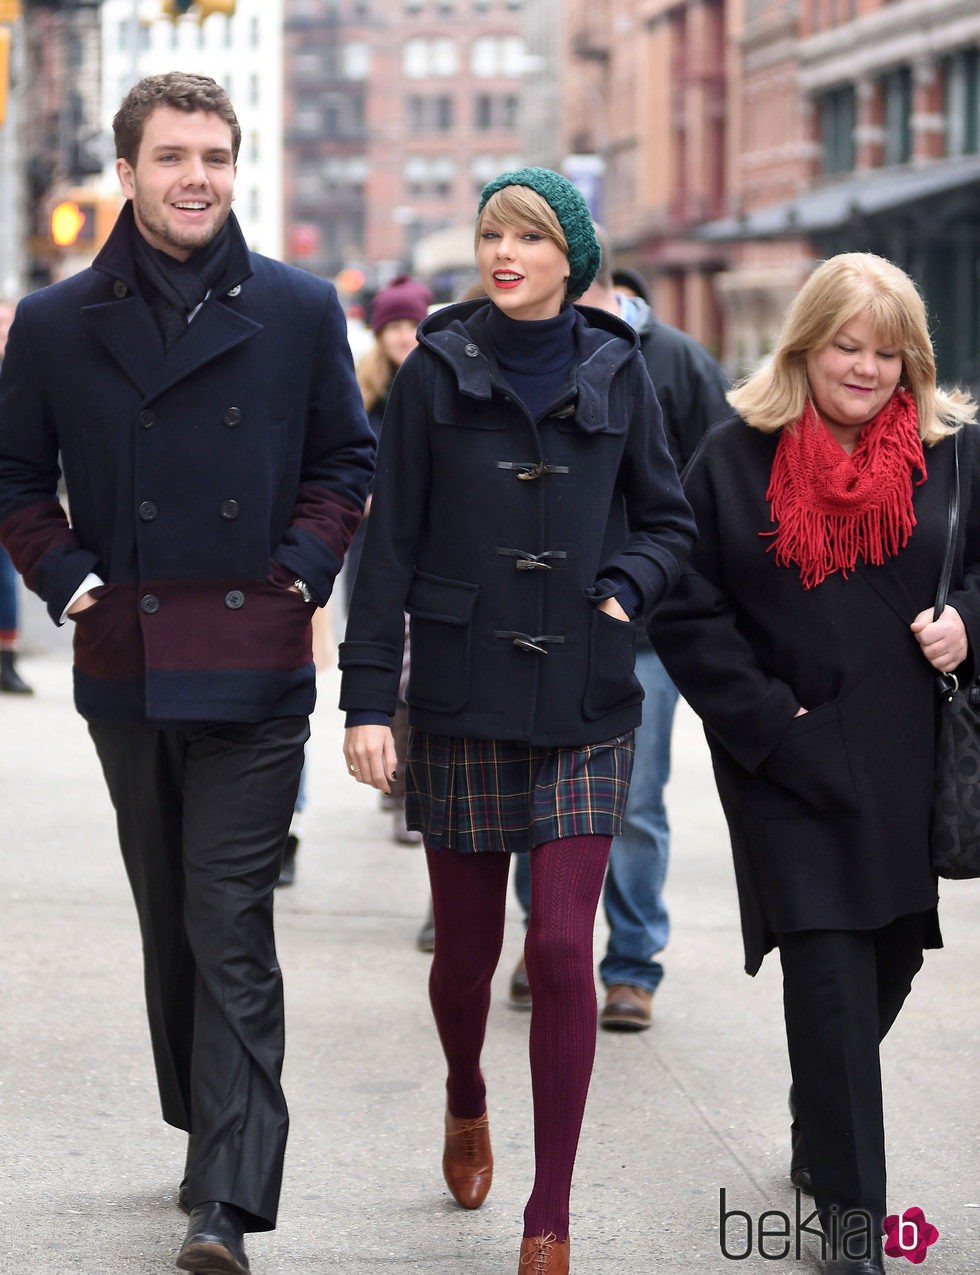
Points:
(149, 604)
(234, 599)
(235, 291)
(119, 289)
(470, 350)
(147, 510)
(233, 416)
(146, 419)
(229, 510)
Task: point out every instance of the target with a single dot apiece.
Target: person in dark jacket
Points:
(690, 388)
(510, 434)
(803, 635)
(201, 401)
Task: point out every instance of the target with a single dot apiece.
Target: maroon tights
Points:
(469, 896)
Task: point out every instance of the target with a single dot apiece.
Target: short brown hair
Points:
(177, 89)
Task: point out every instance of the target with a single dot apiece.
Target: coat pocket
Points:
(441, 612)
(612, 682)
(808, 773)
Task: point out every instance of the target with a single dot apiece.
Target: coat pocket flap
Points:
(437, 598)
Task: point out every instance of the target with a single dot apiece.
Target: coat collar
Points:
(457, 335)
(127, 329)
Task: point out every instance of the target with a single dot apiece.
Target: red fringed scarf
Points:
(831, 508)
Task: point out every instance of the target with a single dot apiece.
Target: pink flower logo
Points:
(909, 1235)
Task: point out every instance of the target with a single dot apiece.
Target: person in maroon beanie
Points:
(516, 433)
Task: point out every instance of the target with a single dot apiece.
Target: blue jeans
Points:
(634, 906)
(638, 921)
(8, 596)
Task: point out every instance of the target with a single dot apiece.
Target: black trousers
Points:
(203, 811)
(842, 990)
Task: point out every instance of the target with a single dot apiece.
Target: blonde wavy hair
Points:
(842, 287)
(374, 372)
(514, 205)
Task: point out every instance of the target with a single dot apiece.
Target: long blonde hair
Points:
(374, 372)
(842, 287)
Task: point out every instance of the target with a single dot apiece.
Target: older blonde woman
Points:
(804, 637)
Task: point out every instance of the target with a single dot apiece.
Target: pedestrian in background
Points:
(395, 313)
(10, 678)
(510, 434)
(690, 387)
(202, 403)
(804, 637)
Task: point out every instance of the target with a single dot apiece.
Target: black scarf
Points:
(174, 289)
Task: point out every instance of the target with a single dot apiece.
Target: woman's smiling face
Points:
(853, 377)
(522, 270)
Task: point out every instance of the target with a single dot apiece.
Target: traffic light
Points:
(82, 219)
(68, 220)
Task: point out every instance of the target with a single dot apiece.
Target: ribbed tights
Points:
(469, 895)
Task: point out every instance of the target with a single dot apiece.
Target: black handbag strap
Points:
(952, 526)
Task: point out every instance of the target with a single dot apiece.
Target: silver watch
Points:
(304, 588)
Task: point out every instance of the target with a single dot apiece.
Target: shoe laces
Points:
(536, 1258)
(472, 1135)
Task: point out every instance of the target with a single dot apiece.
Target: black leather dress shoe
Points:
(799, 1161)
(850, 1266)
(213, 1244)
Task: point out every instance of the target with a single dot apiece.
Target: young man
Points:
(216, 455)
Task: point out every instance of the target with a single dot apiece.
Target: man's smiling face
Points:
(182, 183)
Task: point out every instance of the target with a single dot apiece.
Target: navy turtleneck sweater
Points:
(536, 356)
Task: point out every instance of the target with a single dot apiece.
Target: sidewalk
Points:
(676, 1114)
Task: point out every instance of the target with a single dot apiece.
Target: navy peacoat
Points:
(201, 483)
(487, 527)
(828, 812)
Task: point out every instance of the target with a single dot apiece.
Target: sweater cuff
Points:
(365, 717)
(625, 592)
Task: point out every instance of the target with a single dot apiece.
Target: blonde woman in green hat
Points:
(525, 509)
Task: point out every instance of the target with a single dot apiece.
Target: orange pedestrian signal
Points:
(67, 222)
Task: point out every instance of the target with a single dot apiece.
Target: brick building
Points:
(858, 127)
(645, 85)
(397, 113)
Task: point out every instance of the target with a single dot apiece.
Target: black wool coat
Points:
(201, 482)
(488, 526)
(828, 813)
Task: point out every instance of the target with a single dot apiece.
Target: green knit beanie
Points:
(584, 253)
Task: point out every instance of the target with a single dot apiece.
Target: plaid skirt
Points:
(488, 794)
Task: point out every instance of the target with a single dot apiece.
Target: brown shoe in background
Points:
(467, 1160)
(543, 1255)
(519, 994)
(627, 1009)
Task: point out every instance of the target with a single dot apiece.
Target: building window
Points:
(429, 176)
(837, 119)
(497, 55)
(897, 96)
(444, 113)
(963, 103)
(430, 58)
(356, 60)
(483, 111)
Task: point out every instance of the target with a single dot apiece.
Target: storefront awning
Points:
(835, 204)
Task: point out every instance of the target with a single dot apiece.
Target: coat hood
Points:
(457, 334)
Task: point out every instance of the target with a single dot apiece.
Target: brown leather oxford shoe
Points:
(543, 1255)
(467, 1160)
